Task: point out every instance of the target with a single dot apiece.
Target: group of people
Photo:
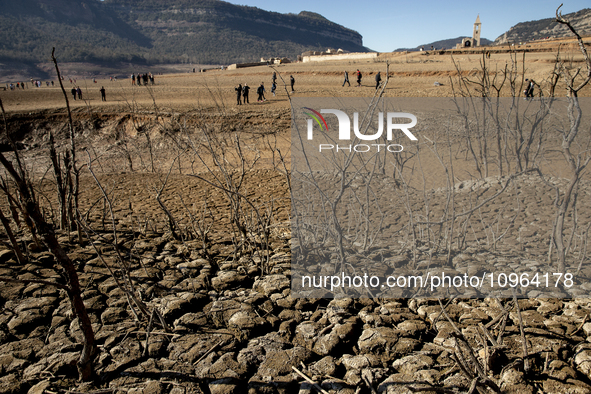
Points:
(242, 91)
(145, 78)
(359, 76)
(77, 92)
(21, 85)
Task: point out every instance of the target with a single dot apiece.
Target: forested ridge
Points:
(161, 31)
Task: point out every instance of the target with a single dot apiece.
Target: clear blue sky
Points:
(388, 25)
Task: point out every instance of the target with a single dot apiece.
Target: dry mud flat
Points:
(229, 321)
(230, 329)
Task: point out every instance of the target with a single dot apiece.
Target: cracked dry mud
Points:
(230, 328)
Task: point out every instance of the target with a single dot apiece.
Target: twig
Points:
(148, 331)
(580, 326)
(313, 383)
(211, 349)
(523, 340)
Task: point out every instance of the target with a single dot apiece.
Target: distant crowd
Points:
(242, 92)
(145, 78)
(21, 85)
(76, 90)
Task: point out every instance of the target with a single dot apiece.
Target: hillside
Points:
(547, 28)
(161, 31)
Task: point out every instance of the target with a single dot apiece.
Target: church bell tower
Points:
(476, 33)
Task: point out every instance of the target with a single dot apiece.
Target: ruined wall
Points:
(344, 56)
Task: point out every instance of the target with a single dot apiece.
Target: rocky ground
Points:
(229, 329)
(229, 323)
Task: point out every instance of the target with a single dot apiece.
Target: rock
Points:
(113, 315)
(326, 343)
(270, 284)
(323, 367)
(190, 347)
(377, 340)
(583, 359)
(359, 362)
(40, 387)
(558, 369)
(31, 313)
(191, 321)
(530, 318)
(226, 386)
(22, 324)
(571, 386)
(175, 305)
(192, 268)
(390, 386)
(224, 366)
(282, 361)
(246, 320)
(12, 384)
(305, 333)
(260, 348)
(228, 280)
(56, 364)
(405, 346)
(5, 255)
(151, 387)
(411, 328)
(412, 363)
(126, 351)
(512, 377)
(10, 364)
(25, 349)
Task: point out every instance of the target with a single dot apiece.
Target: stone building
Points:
(475, 40)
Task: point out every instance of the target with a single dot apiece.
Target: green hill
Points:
(161, 31)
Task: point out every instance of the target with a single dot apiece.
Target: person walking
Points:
(79, 91)
(274, 77)
(529, 91)
(238, 94)
(74, 91)
(378, 80)
(103, 94)
(292, 82)
(261, 93)
(346, 79)
(133, 79)
(359, 76)
(245, 90)
(273, 88)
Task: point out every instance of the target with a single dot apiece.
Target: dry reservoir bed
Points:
(194, 225)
